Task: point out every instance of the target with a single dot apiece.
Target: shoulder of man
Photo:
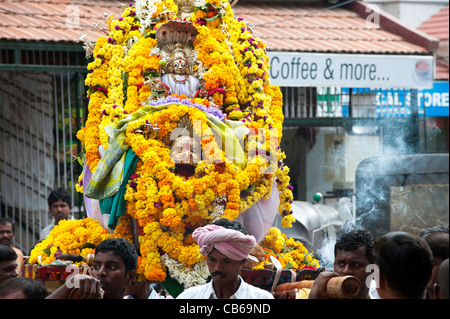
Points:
(248, 291)
(197, 292)
(18, 251)
(45, 231)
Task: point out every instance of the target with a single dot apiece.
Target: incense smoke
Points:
(373, 180)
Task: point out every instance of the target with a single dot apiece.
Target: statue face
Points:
(179, 67)
(184, 152)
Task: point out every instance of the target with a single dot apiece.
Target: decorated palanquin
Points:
(184, 128)
(68, 249)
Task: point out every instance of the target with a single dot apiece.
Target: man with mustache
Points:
(226, 245)
(60, 206)
(7, 237)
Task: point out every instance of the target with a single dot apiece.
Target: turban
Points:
(232, 243)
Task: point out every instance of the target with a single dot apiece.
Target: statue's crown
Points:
(176, 31)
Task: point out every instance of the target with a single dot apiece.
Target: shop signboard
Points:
(397, 102)
(436, 100)
(300, 69)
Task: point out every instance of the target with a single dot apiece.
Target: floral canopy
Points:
(184, 128)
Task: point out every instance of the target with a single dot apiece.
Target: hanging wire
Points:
(305, 15)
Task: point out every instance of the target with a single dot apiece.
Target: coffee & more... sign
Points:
(291, 69)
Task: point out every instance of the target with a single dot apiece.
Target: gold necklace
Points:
(186, 79)
(180, 81)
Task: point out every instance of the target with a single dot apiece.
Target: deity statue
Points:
(179, 78)
(185, 147)
(183, 150)
(175, 40)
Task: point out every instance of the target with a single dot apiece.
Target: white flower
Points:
(189, 277)
(107, 16)
(200, 3)
(155, 51)
(145, 10)
(219, 206)
(82, 36)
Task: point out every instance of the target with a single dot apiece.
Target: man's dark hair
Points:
(7, 253)
(438, 240)
(352, 240)
(436, 229)
(59, 193)
(4, 221)
(33, 289)
(235, 225)
(406, 262)
(121, 247)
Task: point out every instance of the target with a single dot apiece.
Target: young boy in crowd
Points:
(353, 253)
(405, 266)
(114, 269)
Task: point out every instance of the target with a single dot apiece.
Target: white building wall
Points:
(411, 12)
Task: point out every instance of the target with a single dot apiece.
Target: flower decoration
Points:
(289, 252)
(234, 71)
(75, 237)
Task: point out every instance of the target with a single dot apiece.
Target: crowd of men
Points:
(406, 266)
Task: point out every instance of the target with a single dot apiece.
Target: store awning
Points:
(348, 46)
(283, 26)
(55, 21)
(351, 43)
(301, 27)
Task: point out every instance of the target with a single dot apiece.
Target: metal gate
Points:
(42, 103)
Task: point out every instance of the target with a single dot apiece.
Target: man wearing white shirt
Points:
(60, 207)
(225, 249)
(207, 291)
(144, 290)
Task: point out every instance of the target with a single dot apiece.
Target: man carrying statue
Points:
(226, 245)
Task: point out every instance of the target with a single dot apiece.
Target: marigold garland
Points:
(74, 237)
(289, 252)
(168, 207)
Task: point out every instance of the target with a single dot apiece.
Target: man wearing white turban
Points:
(226, 246)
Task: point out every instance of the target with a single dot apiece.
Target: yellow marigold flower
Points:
(70, 236)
